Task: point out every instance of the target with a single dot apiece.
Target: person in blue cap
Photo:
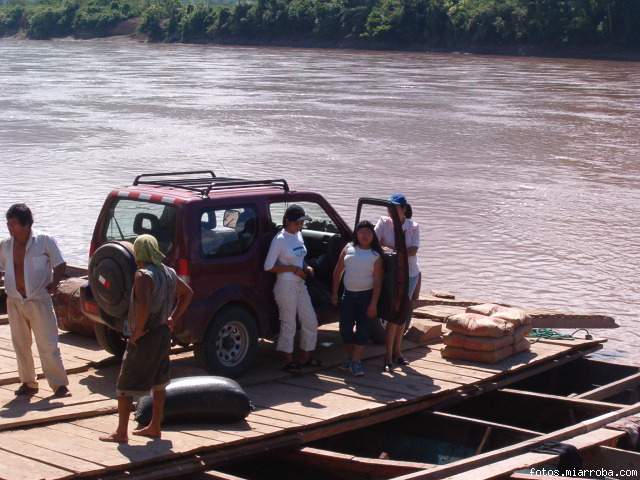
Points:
(384, 231)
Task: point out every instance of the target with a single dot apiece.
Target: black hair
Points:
(375, 243)
(22, 213)
(408, 211)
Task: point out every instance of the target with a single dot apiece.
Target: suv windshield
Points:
(130, 218)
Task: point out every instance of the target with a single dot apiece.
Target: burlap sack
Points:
(516, 316)
(66, 303)
(476, 325)
(485, 344)
(480, 344)
(521, 332)
(476, 356)
(521, 345)
(483, 309)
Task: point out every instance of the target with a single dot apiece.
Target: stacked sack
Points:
(487, 333)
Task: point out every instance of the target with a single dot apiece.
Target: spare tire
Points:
(203, 399)
(111, 271)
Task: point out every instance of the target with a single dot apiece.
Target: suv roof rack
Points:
(204, 181)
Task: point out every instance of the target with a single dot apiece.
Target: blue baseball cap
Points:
(398, 199)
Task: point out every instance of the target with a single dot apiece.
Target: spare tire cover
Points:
(111, 272)
(204, 399)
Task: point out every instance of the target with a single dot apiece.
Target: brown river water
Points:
(524, 173)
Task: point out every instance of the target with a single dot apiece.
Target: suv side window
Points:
(320, 221)
(228, 231)
(129, 218)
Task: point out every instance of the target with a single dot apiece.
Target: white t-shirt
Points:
(358, 268)
(41, 257)
(286, 249)
(384, 230)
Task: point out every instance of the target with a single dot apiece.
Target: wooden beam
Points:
(592, 404)
(350, 464)
(530, 460)
(526, 476)
(522, 447)
(486, 423)
(612, 388)
(216, 475)
(612, 458)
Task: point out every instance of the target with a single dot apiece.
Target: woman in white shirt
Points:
(361, 264)
(384, 230)
(286, 259)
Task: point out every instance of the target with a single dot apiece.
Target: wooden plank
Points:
(612, 388)
(273, 422)
(526, 476)
(305, 401)
(40, 417)
(217, 475)
(402, 383)
(343, 386)
(206, 432)
(346, 464)
(486, 423)
(62, 461)
(613, 459)
(531, 459)
(548, 318)
(590, 404)
(287, 416)
(584, 427)
(18, 467)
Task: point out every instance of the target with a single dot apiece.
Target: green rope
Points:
(549, 334)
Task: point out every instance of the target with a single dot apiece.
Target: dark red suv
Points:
(216, 232)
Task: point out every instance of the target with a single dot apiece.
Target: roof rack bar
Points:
(281, 182)
(204, 186)
(173, 174)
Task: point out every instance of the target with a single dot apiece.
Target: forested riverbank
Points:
(504, 25)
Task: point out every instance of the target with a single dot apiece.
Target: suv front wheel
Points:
(230, 344)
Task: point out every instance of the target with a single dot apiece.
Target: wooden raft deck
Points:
(57, 438)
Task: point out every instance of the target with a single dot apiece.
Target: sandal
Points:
(388, 368)
(312, 362)
(400, 361)
(292, 367)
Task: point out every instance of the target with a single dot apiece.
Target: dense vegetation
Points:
(392, 23)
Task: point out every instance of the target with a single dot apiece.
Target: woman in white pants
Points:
(286, 259)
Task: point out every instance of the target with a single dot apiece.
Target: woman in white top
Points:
(361, 264)
(286, 259)
(384, 230)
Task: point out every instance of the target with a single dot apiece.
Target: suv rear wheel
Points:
(110, 340)
(230, 343)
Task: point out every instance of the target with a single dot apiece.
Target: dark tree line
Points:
(389, 23)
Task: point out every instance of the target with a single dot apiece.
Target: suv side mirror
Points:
(145, 223)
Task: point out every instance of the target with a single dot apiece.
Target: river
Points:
(524, 173)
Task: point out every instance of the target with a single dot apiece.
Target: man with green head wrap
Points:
(158, 297)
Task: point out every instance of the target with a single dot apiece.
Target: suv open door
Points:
(394, 300)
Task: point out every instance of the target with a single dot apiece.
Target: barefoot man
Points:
(158, 301)
(33, 267)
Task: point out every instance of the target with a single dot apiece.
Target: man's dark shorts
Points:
(145, 366)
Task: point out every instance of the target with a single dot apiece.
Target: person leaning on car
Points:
(286, 258)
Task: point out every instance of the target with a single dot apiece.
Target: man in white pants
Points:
(33, 267)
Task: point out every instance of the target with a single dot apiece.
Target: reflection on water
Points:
(524, 173)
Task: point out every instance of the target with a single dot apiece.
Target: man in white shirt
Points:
(33, 266)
